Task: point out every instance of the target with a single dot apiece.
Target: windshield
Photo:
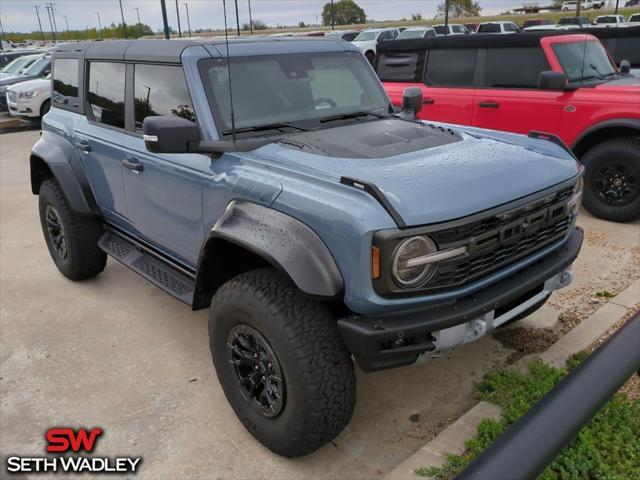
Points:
(489, 28)
(584, 60)
(301, 89)
(411, 34)
(366, 36)
(441, 30)
(36, 67)
(635, 18)
(17, 65)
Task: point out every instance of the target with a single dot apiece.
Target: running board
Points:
(151, 267)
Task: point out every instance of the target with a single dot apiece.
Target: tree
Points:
(301, 24)
(257, 25)
(346, 12)
(460, 8)
(416, 16)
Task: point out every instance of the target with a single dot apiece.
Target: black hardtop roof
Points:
(488, 40)
(159, 50)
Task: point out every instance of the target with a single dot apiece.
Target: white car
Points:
(498, 27)
(609, 20)
(417, 32)
(634, 19)
(31, 98)
(451, 29)
(584, 5)
(367, 40)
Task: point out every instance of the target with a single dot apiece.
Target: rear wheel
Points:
(612, 180)
(72, 239)
(281, 362)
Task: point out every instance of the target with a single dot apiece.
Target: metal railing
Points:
(530, 444)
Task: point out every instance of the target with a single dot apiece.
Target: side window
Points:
(430, 34)
(510, 27)
(400, 66)
(386, 35)
(514, 67)
(451, 68)
(161, 90)
(65, 82)
(106, 92)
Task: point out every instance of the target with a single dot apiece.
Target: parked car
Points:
(634, 19)
(563, 84)
(346, 35)
(15, 66)
(609, 20)
(621, 43)
(579, 21)
(498, 27)
(417, 32)
(313, 222)
(451, 29)
(536, 21)
(597, 4)
(7, 56)
(472, 27)
(632, 3)
(367, 40)
(31, 98)
(34, 66)
(573, 5)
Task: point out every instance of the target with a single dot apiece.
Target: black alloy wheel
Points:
(617, 182)
(257, 370)
(56, 232)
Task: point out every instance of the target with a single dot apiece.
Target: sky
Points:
(20, 15)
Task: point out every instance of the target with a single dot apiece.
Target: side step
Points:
(151, 267)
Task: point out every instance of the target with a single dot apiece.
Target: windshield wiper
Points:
(261, 128)
(347, 116)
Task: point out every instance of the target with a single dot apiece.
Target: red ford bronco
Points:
(562, 84)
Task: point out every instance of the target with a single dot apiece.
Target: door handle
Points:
(133, 164)
(83, 145)
(489, 104)
(428, 101)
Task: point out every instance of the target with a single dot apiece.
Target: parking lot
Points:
(118, 353)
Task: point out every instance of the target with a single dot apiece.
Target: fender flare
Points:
(61, 158)
(618, 122)
(282, 241)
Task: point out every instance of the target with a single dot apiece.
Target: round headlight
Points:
(414, 247)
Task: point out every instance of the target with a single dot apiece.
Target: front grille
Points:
(12, 96)
(499, 240)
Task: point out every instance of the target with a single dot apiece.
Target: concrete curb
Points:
(452, 439)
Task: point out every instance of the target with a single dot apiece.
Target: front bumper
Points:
(23, 107)
(390, 341)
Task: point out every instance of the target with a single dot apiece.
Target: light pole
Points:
(186, 7)
(39, 22)
(250, 18)
(446, 15)
(617, 4)
(578, 8)
(68, 32)
(53, 33)
(100, 25)
(178, 17)
(2, 37)
(164, 20)
(124, 24)
(139, 23)
(237, 18)
(53, 17)
(333, 23)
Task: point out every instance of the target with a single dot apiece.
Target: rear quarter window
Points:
(451, 68)
(65, 82)
(401, 66)
(514, 67)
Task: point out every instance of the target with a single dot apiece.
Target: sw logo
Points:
(65, 440)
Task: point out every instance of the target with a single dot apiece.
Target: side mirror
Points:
(552, 81)
(411, 102)
(169, 134)
(625, 67)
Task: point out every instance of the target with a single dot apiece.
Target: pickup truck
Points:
(272, 182)
(561, 83)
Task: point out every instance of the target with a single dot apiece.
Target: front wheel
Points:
(612, 180)
(370, 56)
(281, 362)
(45, 107)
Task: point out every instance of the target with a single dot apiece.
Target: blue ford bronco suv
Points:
(272, 182)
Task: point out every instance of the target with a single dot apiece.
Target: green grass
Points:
(608, 447)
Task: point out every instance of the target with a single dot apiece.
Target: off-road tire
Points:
(83, 258)
(625, 150)
(318, 372)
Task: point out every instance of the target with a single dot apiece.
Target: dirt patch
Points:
(526, 340)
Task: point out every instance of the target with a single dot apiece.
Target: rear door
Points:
(163, 191)
(508, 97)
(448, 87)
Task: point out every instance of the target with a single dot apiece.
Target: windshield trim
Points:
(224, 131)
